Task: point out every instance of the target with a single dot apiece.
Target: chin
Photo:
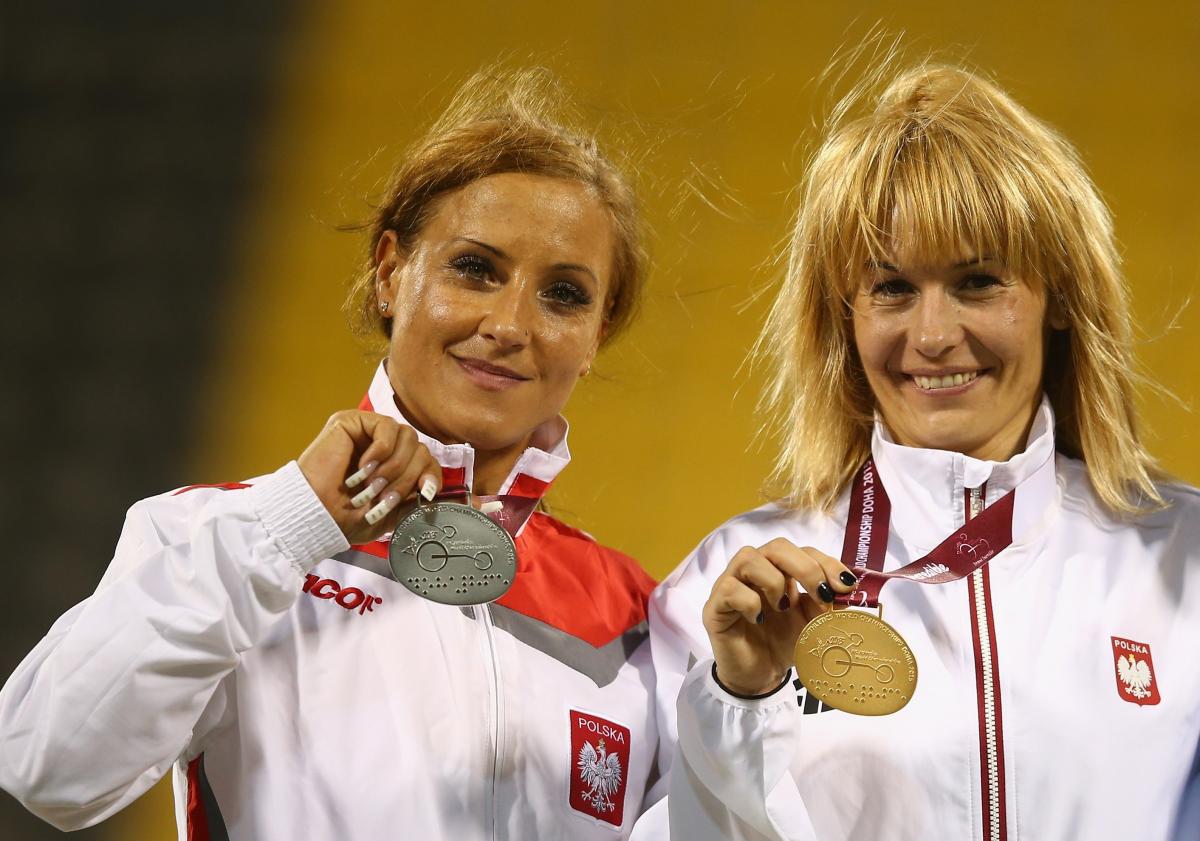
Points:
(952, 442)
(947, 435)
(491, 430)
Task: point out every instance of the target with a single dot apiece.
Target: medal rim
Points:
(881, 625)
(457, 509)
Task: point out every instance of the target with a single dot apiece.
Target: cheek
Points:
(424, 310)
(567, 346)
(1018, 339)
(875, 340)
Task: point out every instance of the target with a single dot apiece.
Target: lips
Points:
(490, 376)
(936, 382)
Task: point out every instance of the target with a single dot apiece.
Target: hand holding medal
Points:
(362, 465)
(759, 606)
(850, 659)
(853, 660)
(442, 548)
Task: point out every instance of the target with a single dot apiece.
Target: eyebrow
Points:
(974, 261)
(559, 267)
(485, 246)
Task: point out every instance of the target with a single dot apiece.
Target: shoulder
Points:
(281, 502)
(216, 486)
(572, 582)
(182, 501)
(1181, 514)
(544, 532)
(751, 528)
(676, 603)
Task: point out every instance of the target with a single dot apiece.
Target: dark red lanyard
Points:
(967, 549)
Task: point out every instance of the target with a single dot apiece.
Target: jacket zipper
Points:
(497, 715)
(991, 744)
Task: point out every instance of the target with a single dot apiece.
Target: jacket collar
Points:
(530, 477)
(928, 488)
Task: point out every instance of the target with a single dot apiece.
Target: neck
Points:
(1009, 441)
(493, 466)
(1000, 451)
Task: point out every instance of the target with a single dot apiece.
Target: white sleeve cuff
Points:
(295, 518)
(775, 698)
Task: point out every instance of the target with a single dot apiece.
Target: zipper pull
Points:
(976, 502)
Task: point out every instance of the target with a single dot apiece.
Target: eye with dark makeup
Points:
(472, 267)
(566, 294)
(891, 288)
(981, 282)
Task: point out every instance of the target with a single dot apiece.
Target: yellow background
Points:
(717, 103)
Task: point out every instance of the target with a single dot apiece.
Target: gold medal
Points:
(855, 662)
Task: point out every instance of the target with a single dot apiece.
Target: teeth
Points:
(947, 381)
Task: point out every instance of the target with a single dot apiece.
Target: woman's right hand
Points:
(759, 606)
(362, 466)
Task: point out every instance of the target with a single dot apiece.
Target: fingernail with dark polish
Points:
(758, 620)
(849, 579)
(825, 592)
(785, 602)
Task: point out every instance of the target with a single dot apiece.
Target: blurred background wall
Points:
(171, 183)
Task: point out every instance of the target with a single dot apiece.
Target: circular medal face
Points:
(452, 554)
(855, 662)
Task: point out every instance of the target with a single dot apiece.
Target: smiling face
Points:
(953, 352)
(498, 307)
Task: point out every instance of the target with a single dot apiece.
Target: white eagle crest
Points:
(601, 771)
(1135, 674)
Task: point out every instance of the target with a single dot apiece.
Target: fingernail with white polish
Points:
(369, 492)
(490, 507)
(357, 479)
(429, 488)
(385, 506)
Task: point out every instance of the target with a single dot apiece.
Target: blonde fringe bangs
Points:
(951, 166)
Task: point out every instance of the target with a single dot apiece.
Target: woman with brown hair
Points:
(318, 653)
(953, 386)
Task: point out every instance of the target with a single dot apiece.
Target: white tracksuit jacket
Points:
(299, 692)
(1019, 663)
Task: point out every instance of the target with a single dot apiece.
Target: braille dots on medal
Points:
(426, 585)
(476, 581)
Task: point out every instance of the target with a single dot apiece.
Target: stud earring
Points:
(383, 307)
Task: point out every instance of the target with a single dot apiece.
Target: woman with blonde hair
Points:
(320, 654)
(953, 388)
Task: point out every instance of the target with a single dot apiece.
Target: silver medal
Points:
(453, 554)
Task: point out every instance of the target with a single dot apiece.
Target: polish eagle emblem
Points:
(1135, 674)
(601, 773)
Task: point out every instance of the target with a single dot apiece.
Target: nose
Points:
(937, 325)
(508, 320)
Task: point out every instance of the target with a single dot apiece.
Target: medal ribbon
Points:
(515, 511)
(867, 524)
